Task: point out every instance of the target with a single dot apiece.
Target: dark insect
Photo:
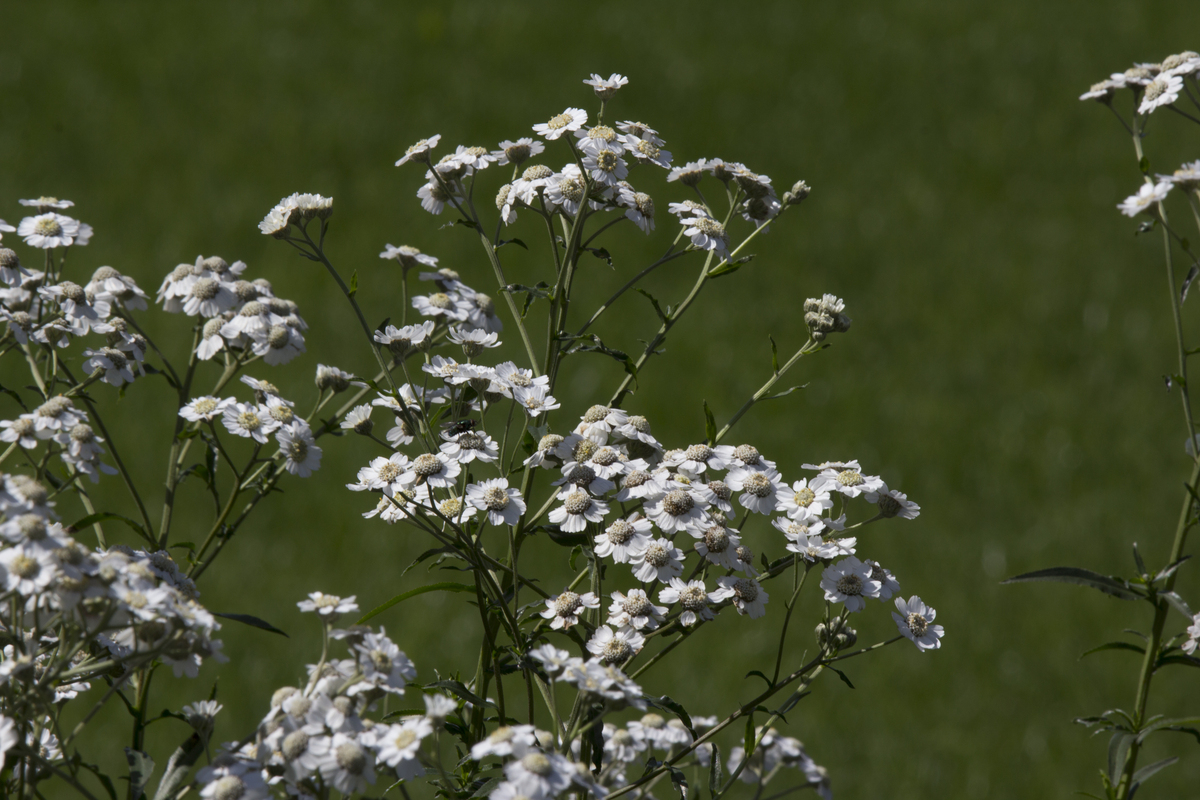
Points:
(452, 429)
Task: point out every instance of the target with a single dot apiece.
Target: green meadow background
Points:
(1004, 368)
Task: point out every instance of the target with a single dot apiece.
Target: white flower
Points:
(8, 737)
(470, 446)
(358, 419)
(518, 152)
(896, 504)
(606, 87)
(442, 304)
(570, 120)
(233, 778)
(328, 605)
(436, 470)
(849, 480)
(1186, 177)
(540, 775)
(615, 648)
(21, 429)
(249, 421)
(420, 150)
(850, 581)
(888, 585)
(114, 288)
(1147, 197)
(564, 608)
(503, 505)
(623, 745)
(659, 560)
(577, 510)
(382, 664)
(476, 339)
(634, 610)
(1193, 633)
(623, 538)
(707, 234)
(398, 746)
(677, 510)
(804, 502)
(114, 364)
(514, 740)
(434, 194)
(44, 203)
(52, 230)
(606, 167)
(209, 297)
(660, 733)
(564, 190)
(301, 454)
(812, 547)
(1162, 91)
(381, 473)
(349, 766)
(747, 594)
(719, 544)
(913, 621)
(28, 569)
(553, 659)
(692, 597)
(761, 488)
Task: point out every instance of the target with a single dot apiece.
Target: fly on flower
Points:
(460, 426)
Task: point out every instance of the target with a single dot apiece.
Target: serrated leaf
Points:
(253, 622)
(141, 766)
(1082, 577)
(400, 598)
(662, 316)
(710, 425)
(1114, 646)
(600, 253)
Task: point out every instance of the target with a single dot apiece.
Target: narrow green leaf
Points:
(141, 766)
(353, 283)
(512, 241)
(1144, 165)
(748, 736)
(1170, 569)
(1174, 723)
(710, 425)
(667, 704)
(105, 781)
(457, 688)
(91, 519)
(1118, 748)
(400, 598)
(1137, 559)
(662, 316)
(843, 677)
(1145, 772)
(1082, 577)
(774, 356)
(1114, 646)
(486, 787)
(1177, 602)
(253, 622)
(178, 766)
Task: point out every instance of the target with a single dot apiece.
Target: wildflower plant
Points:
(476, 454)
(1137, 96)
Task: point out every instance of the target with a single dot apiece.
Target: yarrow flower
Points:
(914, 622)
(606, 87)
(1146, 199)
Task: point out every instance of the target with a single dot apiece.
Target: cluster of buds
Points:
(836, 634)
(825, 316)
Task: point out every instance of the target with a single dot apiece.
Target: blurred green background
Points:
(1004, 368)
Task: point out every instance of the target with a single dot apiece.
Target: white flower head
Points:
(503, 506)
(693, 599)
(615, 647)
(850, 582)
(420, 151)
(1147, 198)
(914, 623)
(1162, 91)
(328, 605)
(606, 87)
(564, 609)
(570, 120)
(747, 595)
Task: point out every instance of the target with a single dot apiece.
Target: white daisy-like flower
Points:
(707, 234)
(606, 87)
(1162, 91)
(507, 740)
(609, 462)
(249, 421)
(81, 313)
(600, 137)
(615, 647)
(399, 745)
(328, 605)
(850, 582)
(407, 256)
(116, 289)
(623, 538)
(747, 594)
(688, 174)
(435, 194)
(22, 430)
(578, 509)
(699, 457)
(585, 477)
(51, 230)
(689, 208)
(518, 152)
(1193, 635)
(676, 510)
(888, 585)
(1186, 177)
(402, 341)
(8, 737)
(641, 212)
(570, 120)
(436, 470)
(438, 707)
(718, 544)
(420, 151)
(761, 488)
(473, 341)
(564, 609)
(660, 733)
(565, 191)
(234, 777)
(114, 364)
(349, 766)
(209, 297)
(639, 484)
(1103, 90)
(383, 665)
(28, 569)
(812, 547)
(623, 745)
(848, 479)
(45, 203)
(553, 660)
(470, 446)
(442, 304)
(914, 622)
(503, 506)
(634, 610)
(692, 597)
(606, 167)
(299, 448)
(1147, 198)
(659, 560)
(381, 474)
(598, 423)
(896, 504)
(536, 400)
(538, 774)
(804, 502)
(358, 419)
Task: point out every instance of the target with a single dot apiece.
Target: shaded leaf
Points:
(1082, 577)
(843, 677)
(1187, 282)
(774, 356)
(662, 317)
(1177, 602)
(1118, 749)
(1145, 772)
(486, 787)
(178, 766)
(400, 598)
(761, 675)
(253, 622)
(730, 267)
(503, 242)
(1182, 660)
(105, 781)
(1170, 569)
(91, 519)
(667, 704)
(141, 766)
(457, 688)
(1175, 723)
(353, 283)
(714, 771)
(1137, 559)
